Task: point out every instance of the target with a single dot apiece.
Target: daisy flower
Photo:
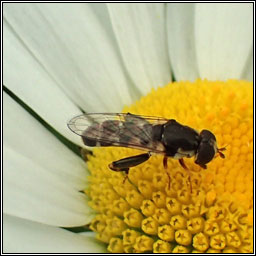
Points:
(189, 62)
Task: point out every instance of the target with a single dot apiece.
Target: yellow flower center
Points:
(155, 210)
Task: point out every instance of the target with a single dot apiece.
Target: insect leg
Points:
(165, 167)
(182, 163)
(165, 162)
(125, 163)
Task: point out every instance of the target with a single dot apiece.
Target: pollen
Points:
(172, 210)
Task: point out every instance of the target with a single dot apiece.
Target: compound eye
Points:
(207, 136)
(205, 153)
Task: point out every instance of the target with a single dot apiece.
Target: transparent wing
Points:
(118, 129)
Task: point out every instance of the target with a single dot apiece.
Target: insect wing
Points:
(117, 129)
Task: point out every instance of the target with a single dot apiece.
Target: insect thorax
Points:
(179, 141)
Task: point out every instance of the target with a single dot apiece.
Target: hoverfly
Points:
(152, 134)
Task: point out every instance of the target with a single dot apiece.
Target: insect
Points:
(152, 134)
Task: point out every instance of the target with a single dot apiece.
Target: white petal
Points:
(26, 78)
(181, 40)
(102, 15)
(140, 32)
(224, 37)
(22, 236)
(71, 45)
(248, 68)
(35, 193)
(29, 138)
